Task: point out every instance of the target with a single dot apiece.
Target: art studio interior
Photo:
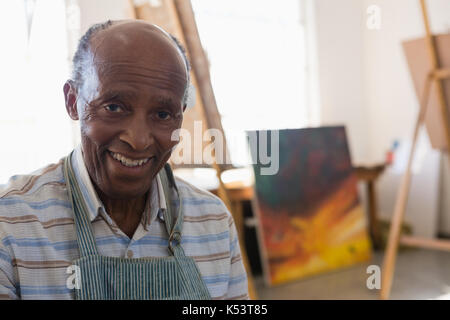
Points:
(322, 125)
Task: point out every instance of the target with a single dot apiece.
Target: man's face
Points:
(129, 105)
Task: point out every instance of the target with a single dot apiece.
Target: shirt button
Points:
(130, 254)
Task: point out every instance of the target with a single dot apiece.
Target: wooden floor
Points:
(419, 274)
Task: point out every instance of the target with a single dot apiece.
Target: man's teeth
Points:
(129, 162)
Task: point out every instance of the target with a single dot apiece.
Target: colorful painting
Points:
(310, 217)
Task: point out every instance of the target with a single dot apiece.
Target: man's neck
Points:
(126, 213)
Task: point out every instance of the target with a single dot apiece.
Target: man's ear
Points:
(70, 95)
(191, 97)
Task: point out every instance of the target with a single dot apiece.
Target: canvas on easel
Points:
(419, 64)
(429, 63)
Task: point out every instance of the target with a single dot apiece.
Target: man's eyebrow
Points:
(112, 95)
(162, 101)
(165, 101)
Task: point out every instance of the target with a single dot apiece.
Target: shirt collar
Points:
(155, 202)
(158, 200)
(162, 197)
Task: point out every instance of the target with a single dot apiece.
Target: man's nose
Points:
(138, 134)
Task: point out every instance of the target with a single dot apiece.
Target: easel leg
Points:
(400, 206)
(394, 234)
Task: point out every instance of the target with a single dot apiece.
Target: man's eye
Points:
(163, 115)
(114, 108)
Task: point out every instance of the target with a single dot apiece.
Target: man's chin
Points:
(126, 193)
(124, 189)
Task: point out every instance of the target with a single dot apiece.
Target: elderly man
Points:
(110, 221)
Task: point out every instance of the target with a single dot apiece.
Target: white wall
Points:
(340, 53)
(365, 84)
(101, 10)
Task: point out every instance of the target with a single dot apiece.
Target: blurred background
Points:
(286, 64)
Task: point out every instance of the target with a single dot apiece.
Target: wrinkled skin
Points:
(130, 103)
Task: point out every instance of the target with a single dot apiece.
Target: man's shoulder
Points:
(200, 201)
(33, 186)
(33, 200)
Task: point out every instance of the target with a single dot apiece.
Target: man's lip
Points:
(119, 169)
(132, 157)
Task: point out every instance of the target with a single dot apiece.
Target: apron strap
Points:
(173, 229)
(189, 272)
(85, 237)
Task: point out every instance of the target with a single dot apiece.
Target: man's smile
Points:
(127, 166)
(129, 162)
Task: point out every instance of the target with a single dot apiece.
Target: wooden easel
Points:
(435, 77)
(177, 18)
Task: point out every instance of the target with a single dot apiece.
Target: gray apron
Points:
(113, 278)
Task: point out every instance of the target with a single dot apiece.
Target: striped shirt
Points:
(38, 239)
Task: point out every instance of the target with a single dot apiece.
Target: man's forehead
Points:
(125, 30)
(136, 41)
